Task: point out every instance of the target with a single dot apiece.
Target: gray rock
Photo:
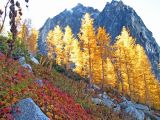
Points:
(28, 66)
(133, 112)
(22, 60)
(148, 118)
(123, 98)
(40, 82)
(150, 115)
(125, 104)
(29, 111)
(97, 101)
(24, 64)
(108, 102)
(33, 59)
(105, 96)
(117, 109)
(141, 107)
(158, 118)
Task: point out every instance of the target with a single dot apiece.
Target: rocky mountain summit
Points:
(67, 17)
(113, 17)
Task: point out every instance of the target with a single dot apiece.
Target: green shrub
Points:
(3, 44)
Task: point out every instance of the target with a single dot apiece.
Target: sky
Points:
(40, 10)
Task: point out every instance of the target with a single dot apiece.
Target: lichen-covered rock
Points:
(28, 110)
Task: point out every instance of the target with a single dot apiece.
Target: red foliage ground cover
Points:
(17, 83)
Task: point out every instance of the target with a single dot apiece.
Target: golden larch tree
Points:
(88, 41)
(77, 58)
(147, 86)
(68, 43)
(32, 41)
(51, 47)
(102, 63)
(59, 45)
(125, 53)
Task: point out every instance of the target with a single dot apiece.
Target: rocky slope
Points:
(113, 17)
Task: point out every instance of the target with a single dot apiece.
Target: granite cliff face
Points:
(67, 17)
(113, 17)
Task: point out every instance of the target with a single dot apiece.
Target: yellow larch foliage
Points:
(88, 44)
(147, 86)
(103, 72)
(68, 43)
(23, 33)
(125, 55)
(32, 41)
(59, 45)
(77, 58)
(50, 44)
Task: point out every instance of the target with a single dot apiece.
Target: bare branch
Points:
(5, 14)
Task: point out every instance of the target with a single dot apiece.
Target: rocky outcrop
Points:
(28, 110)
(126, 108)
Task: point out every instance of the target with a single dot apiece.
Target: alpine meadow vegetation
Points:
(72, 66)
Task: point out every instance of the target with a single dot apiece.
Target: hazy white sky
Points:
(40, 10)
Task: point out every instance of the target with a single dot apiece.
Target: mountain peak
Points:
(116, 5)
(116, 2)
(80, 5)
(113, 17)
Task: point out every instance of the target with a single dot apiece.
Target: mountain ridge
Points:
(113, 17)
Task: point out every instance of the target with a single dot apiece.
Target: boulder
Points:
(97, 101)
(28, 110)
(126, 104)
(150, 114)
(104, 96)
(108, 102)
(133, 112)
(141, 107)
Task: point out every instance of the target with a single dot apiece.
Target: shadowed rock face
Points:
(113, 17)
(67, 17)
